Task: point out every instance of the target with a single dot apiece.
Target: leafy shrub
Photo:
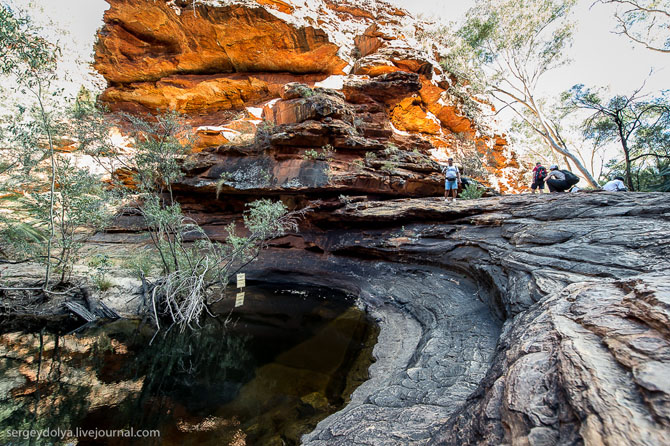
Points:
(327, 154)
(471, 192)
(305, 91)
(141, 264)
(101, 265)
(388, 166)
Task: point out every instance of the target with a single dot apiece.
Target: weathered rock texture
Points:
(581, 280)
(516, 321)
(233, 67)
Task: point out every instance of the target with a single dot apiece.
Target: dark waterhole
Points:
(291, 357)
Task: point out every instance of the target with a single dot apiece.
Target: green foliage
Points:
(370, 156)
(191, 272)
(161, 148)
(61, 202)
(223, 178)
(101, 265)
(358, 164)
(663, 182)
(326, 154)
(142, 264)
(639, 125)
(388, 167)
(23, 51)
(264, 132)
(391, 149)
(305, 91)
(471, 192)
(646, 22)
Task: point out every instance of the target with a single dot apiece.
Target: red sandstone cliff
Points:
(371, 115)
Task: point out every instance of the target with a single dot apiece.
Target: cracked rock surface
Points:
(581, 282)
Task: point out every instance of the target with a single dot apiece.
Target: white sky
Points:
(600, 58)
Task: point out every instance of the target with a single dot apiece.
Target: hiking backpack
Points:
(541, 174)
(570, 177)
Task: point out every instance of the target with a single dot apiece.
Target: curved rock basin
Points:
(292, 357)
(438, 337)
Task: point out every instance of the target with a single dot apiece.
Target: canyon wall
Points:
(303, 96)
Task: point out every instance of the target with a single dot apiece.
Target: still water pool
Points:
(287, 359)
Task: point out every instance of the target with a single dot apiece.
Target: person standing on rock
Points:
(452, 178)
(539, 174)
(555, 180)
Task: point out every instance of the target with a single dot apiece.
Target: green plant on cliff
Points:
(326, 154)
(194, 270)
(264, 132)
(471, 192)
(388, 167)
(305, 91)
(358, 165)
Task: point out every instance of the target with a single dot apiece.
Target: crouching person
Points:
(616, 185)
(556, 181)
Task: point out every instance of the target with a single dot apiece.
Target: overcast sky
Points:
(600, 58)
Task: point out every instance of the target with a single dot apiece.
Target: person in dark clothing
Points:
(555, 180)
(539, 174)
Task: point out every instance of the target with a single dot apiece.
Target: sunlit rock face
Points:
(226, 65)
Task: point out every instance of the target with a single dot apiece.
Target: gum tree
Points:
(646, 22)
(639, 124)
(504, 49)
(56, 198)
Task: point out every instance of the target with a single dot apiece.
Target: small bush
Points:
(471, 192)
(141, 264)
(306, 92)
(388, 166)
(327, 154)
(102, 283)
(264, 131)
(391, 149)
(101, 265)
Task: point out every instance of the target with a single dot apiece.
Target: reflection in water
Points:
(292, 358)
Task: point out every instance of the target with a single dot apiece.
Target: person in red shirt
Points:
(539, 174)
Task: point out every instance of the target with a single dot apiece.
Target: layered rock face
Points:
(581, 281)
(344, 97)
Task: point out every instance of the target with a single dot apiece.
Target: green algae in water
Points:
(291, 358)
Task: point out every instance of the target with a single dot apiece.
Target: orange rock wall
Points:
(206, 61)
